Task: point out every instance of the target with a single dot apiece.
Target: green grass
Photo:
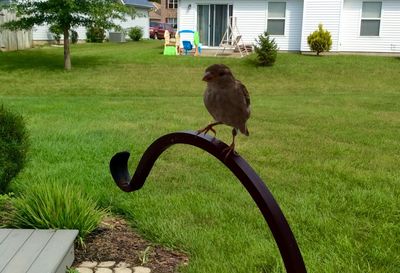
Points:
(324, 136)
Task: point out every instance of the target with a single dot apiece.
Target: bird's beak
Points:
(208, 76)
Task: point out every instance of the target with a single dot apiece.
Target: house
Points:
(142, 18)
(355, 25)
(41, 34)
(155, 13)
(169, 12)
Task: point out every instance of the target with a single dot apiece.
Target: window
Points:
(276, 18)
(172, 22)
(371, 18)
(171, 4)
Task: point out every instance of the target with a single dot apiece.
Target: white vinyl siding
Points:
(342, 18)
(140, 20)
(293, 24)
(187, 15)
(252, 16)
(327, 12)
(42, 33)
(389, 34)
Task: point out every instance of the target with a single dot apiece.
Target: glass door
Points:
(203, 23)
(212, 22)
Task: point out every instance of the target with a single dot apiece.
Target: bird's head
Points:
(217, 72)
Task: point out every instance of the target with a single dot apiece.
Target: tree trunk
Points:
(67, 53)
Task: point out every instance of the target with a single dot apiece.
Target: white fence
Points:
(13, 40)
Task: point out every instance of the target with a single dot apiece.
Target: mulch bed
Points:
(115, 241)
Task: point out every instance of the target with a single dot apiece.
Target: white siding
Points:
(327, 12)
(42, 33)
(251, 19)
(341, 17)
(140, 20)
(293, 25)
(187, 16)
(387, 41)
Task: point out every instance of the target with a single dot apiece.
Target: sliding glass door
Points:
(212, 23)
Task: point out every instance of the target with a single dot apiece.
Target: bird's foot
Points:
(206, 129)
(229, 150)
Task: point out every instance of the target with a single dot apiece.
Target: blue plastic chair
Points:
(187, 46)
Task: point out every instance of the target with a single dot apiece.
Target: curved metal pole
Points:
(269, 208)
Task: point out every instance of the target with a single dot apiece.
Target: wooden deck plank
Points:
(60, 248)
(29, 251)
(11, 245)
(4, 234)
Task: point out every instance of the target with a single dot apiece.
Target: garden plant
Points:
(135, 33)
(320, 40)
(13, 146)
(266, 49)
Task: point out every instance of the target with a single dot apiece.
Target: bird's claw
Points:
(206, 129)
(229, 150)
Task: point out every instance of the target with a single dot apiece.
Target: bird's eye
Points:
(221, 73)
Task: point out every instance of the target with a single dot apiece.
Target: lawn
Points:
(324, 136)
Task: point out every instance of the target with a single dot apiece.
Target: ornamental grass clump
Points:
(320, 40)
(13, 146)
(5, 209)
(56, 206)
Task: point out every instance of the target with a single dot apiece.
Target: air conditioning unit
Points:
(116, 37)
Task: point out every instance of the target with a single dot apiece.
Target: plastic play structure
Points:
(171, 47)
(185, 41)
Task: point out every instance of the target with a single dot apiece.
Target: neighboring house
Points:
(142, 18)
(41, 34)
(169, 12)
(355, 25)
(155, 13)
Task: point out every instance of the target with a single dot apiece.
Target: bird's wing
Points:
(244, 91)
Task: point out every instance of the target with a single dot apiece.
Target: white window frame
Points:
(277, 18)
(172, 4)
(175, 21)
(371, 19)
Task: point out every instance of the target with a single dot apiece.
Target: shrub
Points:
(320, 40)
(95, 35)
(135, 33)
(56, 31)
(266, 50)
(13, 146)
(74, 36)
(55, 206)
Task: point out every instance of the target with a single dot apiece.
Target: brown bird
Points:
(227, 100)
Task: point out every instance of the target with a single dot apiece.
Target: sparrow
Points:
(227, 100)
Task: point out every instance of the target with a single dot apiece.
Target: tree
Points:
(65, 15)
(320, 40)
(266, 49)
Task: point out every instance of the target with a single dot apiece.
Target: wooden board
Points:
(36, 251)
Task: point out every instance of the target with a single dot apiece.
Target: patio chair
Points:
(187, 46)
